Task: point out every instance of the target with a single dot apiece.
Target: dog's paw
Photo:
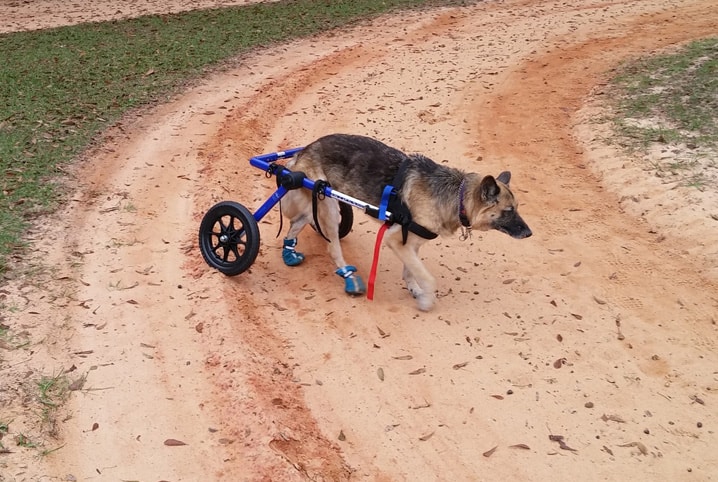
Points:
(290, 256)
(425, 302)
(353, 284)
(414, 289)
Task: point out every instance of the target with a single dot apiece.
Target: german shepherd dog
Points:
(440, 200)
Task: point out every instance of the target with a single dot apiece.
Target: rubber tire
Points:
(347, 219)
(235, 221)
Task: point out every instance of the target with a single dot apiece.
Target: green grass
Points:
(60, 87)
(670, 98)
(53, 391)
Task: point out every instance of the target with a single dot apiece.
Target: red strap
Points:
(375, 261)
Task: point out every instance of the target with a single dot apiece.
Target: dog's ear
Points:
(505, 177)
(489, 190)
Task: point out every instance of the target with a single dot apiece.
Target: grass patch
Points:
(670, 98)
(60, 87)
(53, 391)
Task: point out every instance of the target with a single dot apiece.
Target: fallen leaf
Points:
(403, 357)
(426, 437)
(460, 365)
(418, 371)
(520, 446)
(490, 452)
(559, 363)
(341, 436)
(382, 333)
(561, 443)
(380, 373)
(612, 418)
(642, 448)
(498, 397)
(77, 384)
(95, 426)
(509, 281)
(170, 442)
(199, 327)
(578, 317)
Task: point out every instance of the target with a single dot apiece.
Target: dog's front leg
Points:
(411, 283)
(419, 281)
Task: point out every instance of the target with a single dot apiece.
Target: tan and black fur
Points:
(361, 167)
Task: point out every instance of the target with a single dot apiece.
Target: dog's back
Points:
(355, 165)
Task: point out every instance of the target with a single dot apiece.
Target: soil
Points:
(587, 351)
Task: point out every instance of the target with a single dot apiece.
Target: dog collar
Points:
(462, 209)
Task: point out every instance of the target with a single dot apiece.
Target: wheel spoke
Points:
(234, 249)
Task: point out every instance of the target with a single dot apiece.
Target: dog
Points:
(439, 200)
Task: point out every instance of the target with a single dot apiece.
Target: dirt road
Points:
(601, 328)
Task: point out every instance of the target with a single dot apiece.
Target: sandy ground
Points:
(601, 328)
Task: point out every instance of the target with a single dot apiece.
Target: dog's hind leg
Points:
(296, 205)
(419, 281)
(329, 217)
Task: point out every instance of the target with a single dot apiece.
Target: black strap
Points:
(281, 219)
(400, 212)
(318, 195)
(462, 209)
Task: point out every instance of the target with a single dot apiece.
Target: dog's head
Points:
(496, 207)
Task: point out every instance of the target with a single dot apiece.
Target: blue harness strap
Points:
(385, 197)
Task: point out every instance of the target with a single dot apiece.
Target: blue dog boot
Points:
(289, 255)
(353, 283)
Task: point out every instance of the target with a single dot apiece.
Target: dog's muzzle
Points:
(513, 225)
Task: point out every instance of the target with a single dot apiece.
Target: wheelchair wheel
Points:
(229, 238)
(345, 225)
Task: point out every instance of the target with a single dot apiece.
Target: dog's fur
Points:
(361, 167)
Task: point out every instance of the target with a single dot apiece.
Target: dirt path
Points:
(600, 328)
(19, 15)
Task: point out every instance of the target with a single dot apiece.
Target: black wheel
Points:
(229, 238)
(345, 225)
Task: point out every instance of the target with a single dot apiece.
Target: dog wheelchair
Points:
(229, 233)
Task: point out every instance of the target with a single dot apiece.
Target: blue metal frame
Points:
(265, 162)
